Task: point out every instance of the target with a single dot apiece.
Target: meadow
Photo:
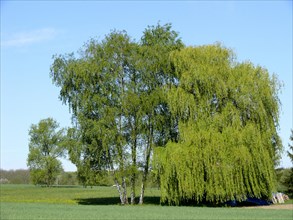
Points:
(31, 202)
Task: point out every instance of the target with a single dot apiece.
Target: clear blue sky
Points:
(32, 31)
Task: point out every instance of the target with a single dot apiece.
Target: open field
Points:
(30, 202)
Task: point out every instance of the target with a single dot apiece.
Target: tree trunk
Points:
(118, 186)
(147, 161)
(119, 191)
(142, 190)
(133, 170)
(125, 198)
(144, 178)
(132, 194)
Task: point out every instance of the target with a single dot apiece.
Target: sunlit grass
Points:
(290, 201)
(66, 195)
(30, 202)
(34, 211)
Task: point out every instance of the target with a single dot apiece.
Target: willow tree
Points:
(228, 142)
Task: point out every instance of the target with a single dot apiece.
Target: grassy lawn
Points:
(290, 201)
(54, 195)
(61, 211)
(68, 195)
(30, 202)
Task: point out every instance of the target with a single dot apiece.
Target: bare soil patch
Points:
(284, 206)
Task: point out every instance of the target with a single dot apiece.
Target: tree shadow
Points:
(115, 201)
(98, 201)
(67, 186)
(152, 200)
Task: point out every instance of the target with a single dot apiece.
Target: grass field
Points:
(30, 202)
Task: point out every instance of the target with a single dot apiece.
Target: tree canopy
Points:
(114, 91)
(45, 146)
(228, 142)
(289, 179)
(211, 119)
(290, 154)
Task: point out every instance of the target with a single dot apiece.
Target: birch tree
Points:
(158, 127)
(114, 90)
(94, 86)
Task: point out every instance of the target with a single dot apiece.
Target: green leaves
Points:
(45, 147)
(214, 118)
(228, 114)
(116, 90)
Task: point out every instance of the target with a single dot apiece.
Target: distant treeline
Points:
(22, 176)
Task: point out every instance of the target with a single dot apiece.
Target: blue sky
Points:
(33, 31)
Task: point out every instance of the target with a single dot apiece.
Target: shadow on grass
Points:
(115, 201)
(155, 200)
(66, 186)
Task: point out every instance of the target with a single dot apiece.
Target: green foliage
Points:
(228, 143)
(214, 118)
(67, 178)
(285, 181)
(114, 91)
(288, 181)
(290, 154)
(44, 149)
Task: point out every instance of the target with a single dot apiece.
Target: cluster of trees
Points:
(285, 176)
(67, 179)
(116, 90)
(14, 176)
(284, 181)
(22, 176)
(211, 120)
(288, 180)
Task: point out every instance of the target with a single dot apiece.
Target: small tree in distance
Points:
(289, 180)
(44, 150)
(291, 147)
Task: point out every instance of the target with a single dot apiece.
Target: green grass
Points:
(101, 195)
(290, 201)
(30, 202)
(62, 211)
(55, 195)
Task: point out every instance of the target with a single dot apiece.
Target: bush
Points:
(67, 178)
(285, 181)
